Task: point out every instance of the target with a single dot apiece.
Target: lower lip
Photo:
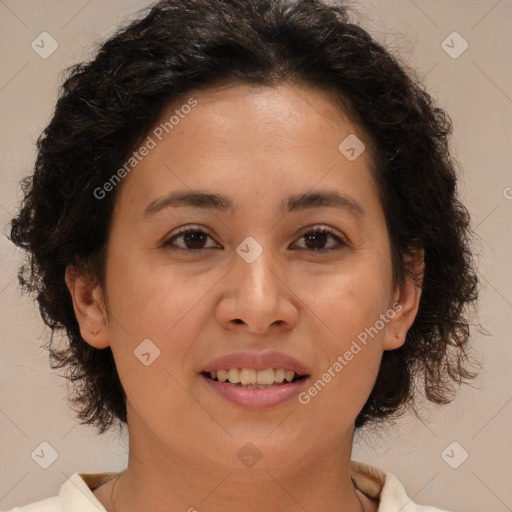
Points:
(256, 398)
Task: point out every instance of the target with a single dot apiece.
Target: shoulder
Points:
(386, 489)
(76, 493)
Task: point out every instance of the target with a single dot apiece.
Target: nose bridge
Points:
(256, 293)
(254, 272)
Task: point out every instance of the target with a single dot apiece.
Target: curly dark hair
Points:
(107, 106)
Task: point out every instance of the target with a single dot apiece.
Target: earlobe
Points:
(406, 305)
(88, 305)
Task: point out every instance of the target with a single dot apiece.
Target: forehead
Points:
(288, 109)
(284, 138)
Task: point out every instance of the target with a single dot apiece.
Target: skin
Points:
(257, 146)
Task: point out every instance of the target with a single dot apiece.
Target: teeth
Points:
(265, 376)
(233, 375)
(251, 377)
(248, 376)
(279, 375)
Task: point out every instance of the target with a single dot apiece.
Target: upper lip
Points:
(257, 361)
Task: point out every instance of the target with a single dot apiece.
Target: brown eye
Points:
(194, 240)
(315, 240)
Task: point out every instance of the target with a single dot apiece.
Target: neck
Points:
(159, 478)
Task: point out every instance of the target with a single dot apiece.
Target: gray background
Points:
(475, 88)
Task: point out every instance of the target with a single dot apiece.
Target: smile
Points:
(251, 378)
(280, 386)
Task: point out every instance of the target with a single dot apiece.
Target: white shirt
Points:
(76, 494)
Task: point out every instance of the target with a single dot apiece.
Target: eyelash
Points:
(320, 229)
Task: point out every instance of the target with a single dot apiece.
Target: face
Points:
(286, 260)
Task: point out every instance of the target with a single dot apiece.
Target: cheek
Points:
(154, 320)
(349, 360)
(353, 307)
(353, 300)
(151, 298)
(152, 323)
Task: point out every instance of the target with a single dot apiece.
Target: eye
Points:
(193, 238)
(317, 237)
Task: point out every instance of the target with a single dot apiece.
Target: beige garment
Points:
(76, 494)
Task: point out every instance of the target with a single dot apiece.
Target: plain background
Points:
(476, 90)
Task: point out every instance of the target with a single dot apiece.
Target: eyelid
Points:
(323, 228)
(320, 228)
(185, 229)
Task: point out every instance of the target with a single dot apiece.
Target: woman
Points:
(244, 216)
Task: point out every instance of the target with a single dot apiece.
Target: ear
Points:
(406, 303)
(89, 307)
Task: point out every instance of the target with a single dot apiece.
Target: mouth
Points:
(255, 380)
(251, 378)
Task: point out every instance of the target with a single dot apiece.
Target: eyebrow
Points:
(200, 199)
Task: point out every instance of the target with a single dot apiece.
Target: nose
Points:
(256, 297)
